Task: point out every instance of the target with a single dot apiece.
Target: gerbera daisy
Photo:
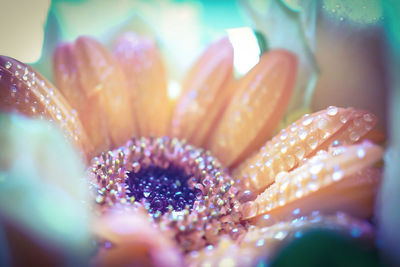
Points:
(202, 180)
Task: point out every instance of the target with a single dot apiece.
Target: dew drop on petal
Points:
(332, 111)
(361, 153)
(316, 168)
(307, 120)
(284, 135)
(296, 211)
(280, 235)
(368, 117)
(312, 142)
(266, 217)
(290, 161)
(354, 136)
(337, 175)
(260, 243)
(343, 119)
(302, 133)
(299, 152)
(322, 124)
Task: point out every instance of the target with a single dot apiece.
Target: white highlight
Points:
(174, 89)
(245, 48)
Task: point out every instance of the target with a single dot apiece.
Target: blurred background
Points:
(340, 43)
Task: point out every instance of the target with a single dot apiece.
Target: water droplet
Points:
(292, 141)
(312, 142)
(299, 193)
(354, 136)
(284, 135)
(8, 65)
(322, 124)
(307, 120)
(250, 209)
(260, 243)
(266, 217)
(299, 152)
(296, 211)
(316, 168)
(280, 235)
(343, 118)
(337, 175)
(361, 153)
(302, 133)
(312, 186)
(335, 143)
(332, 111)
(290, 161)
(368, 117)
(283, 187)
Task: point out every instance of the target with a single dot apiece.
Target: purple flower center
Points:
(162, 189)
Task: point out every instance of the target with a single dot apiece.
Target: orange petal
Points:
(264, 242)
(144, 69)
(24, 90)
(257, 106)
(302, 140)
(94, 84)
(205, 94)
(322, 172)
(132, 240)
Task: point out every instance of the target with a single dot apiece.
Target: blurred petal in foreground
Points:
(41, 194)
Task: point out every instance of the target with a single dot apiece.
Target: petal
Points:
(134, 240)
(320, 179)
(24, 90)
(42, 194)
(94, 84)
(258, 104)
(262, 243)
(206, 92)
(144, 69)
(302, 140)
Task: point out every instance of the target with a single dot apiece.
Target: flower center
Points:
(183, 188)
(162, 189)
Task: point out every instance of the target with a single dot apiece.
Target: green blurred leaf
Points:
(326, 248)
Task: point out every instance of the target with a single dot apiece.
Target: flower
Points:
(231, 205)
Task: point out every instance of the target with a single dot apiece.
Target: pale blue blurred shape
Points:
(42, 186)
(387, 209)
(293, 28)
